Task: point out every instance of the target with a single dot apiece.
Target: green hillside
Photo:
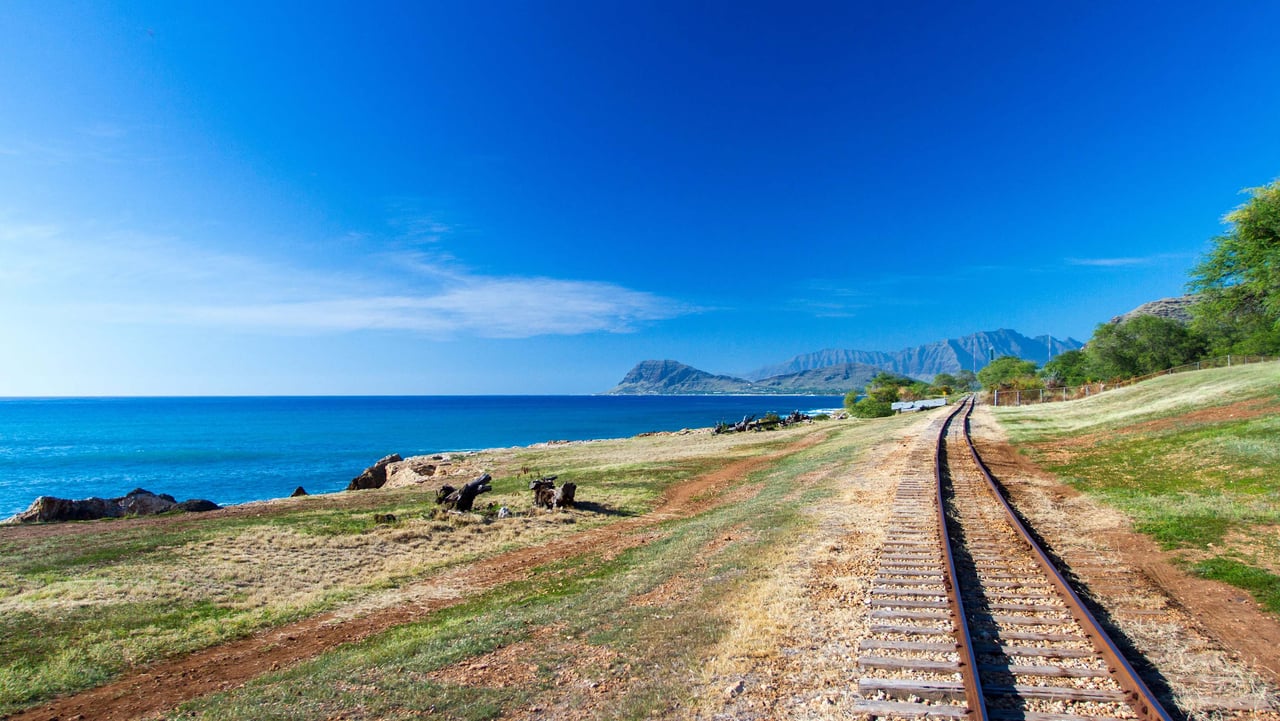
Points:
(1193, 459)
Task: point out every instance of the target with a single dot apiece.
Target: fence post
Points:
(995, 398)
(1017, 397)
(1228, 360)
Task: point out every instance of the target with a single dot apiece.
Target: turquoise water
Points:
(233, 450)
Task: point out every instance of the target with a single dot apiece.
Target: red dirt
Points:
(1225, 612)
(162, 686)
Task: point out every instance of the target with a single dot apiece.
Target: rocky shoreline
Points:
(138, 502)
(390, 471)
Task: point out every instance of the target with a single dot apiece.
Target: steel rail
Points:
(1143, 701)
(968, 661)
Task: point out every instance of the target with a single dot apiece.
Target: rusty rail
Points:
(968, 662)
(1142, 700)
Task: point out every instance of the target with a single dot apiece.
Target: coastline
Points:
(236, 450)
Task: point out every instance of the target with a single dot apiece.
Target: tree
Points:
(1141, 345)
(850, 399)
(967, 380)
(887, 387)
(1238, 281)
(879, 395)
(1069, 368)
(945, 384)
(1008, 372)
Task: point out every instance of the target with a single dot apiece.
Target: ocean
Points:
(235, 450)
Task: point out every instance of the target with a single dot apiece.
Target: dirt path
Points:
(162, 686)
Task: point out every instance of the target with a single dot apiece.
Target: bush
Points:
(871, 408)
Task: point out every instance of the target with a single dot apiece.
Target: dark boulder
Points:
(445, 492)
(138, 502)
(196, 505)
(544, 492)
(48, 509)
(464, 498)
(564, 496)
(374, 476)
(299, 491)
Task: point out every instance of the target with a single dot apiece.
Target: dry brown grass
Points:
(791, 650)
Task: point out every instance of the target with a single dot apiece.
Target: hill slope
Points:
(834, 380)
(668, 377)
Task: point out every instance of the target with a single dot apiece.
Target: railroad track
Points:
(970, 619)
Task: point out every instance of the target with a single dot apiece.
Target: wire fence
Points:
(1016, 397)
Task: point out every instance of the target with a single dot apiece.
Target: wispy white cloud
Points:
(486, 307)
(1121, 262)
(1108, 262)
(130, 278)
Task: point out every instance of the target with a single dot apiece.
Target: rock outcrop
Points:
(138, 502)
(1178, 309)
(374, 476)
(413, 470)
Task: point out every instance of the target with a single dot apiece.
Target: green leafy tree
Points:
(944, 384)
(1009, 372)
(967, 380)
(1238, 281)
(879, 395)
(1141, 345)
(1069, 368)
(887, 387)
(851, 398)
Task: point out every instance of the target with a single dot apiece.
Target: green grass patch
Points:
(1262, 584)
(1186, 531)
(43, 655)
(1193, 459)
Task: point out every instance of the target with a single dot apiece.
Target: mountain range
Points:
(837, 371)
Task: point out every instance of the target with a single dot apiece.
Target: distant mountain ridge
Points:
(836, 372)
(926, 361)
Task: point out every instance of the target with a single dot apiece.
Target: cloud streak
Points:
(148, 280)
(1108, 262)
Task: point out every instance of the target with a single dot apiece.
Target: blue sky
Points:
(402, 198)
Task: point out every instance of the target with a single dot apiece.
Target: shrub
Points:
(871, 408)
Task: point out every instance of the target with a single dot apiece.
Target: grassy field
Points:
(631, 628)
(1193, 459)
(77, 610)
